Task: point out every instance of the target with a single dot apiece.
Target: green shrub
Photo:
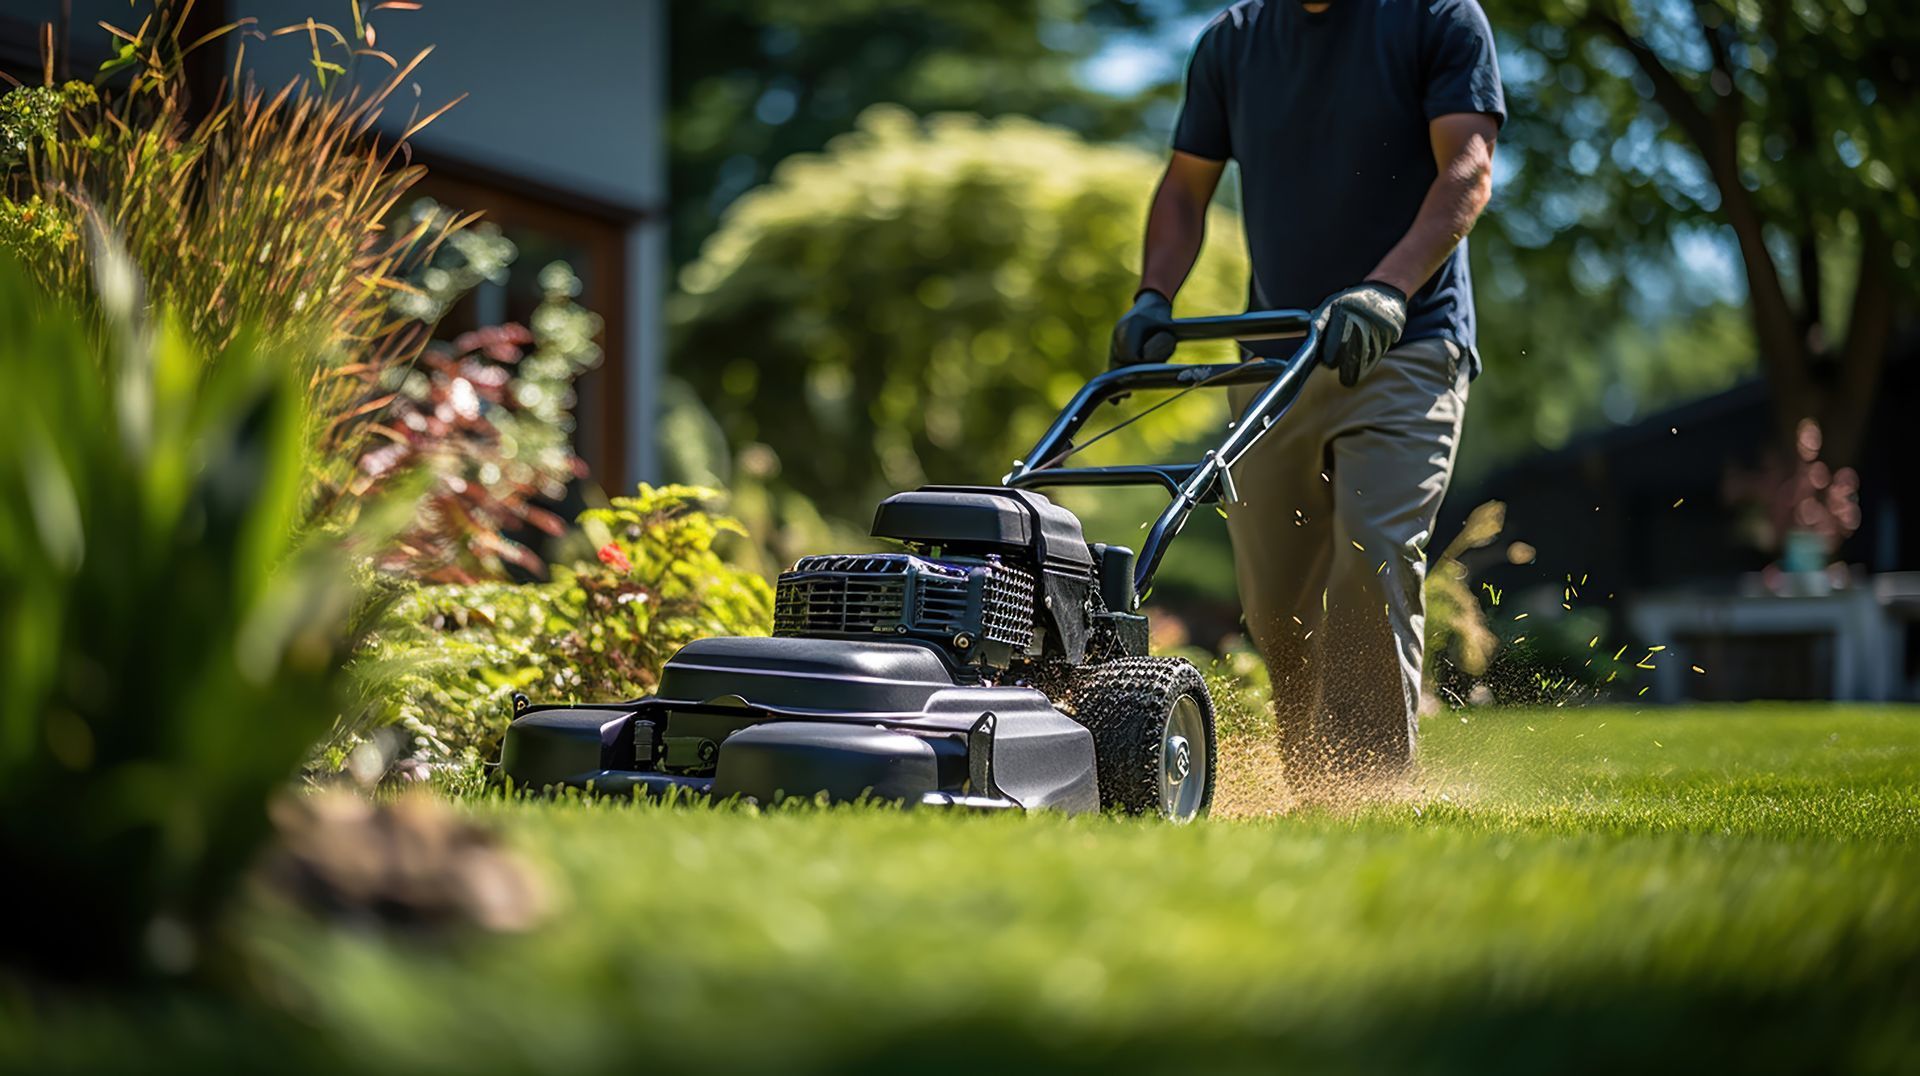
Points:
(446, 659)
(915, 303)
(169, 641)
(30, 118)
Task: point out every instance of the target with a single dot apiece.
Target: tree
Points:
(1789, 127)
(753, 81)
(914, 304)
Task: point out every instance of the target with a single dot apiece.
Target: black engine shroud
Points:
(982, 603)
(995, 577)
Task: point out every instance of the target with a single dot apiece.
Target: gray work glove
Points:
(1141, 334)
(1358, 325)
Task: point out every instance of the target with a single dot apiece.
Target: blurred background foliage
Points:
(913, 304)
(755, 81)
(1666, 158)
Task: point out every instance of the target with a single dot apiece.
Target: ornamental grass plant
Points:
(267, 208)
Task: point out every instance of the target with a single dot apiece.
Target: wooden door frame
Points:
(601, 228)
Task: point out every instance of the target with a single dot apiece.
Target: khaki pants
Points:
(1329, 541)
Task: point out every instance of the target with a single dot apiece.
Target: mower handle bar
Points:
(1252, 325)
(1188, 484)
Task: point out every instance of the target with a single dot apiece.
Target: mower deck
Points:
(809, 716)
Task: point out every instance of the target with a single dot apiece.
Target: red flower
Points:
(612, 556)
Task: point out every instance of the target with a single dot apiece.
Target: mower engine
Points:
(981, 609)
(998, 579)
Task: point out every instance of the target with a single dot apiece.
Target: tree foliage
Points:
(753, 81)
(1787, 131)
(914, 304)
(1560, 361)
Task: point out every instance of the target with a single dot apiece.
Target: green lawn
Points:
(1731, 888)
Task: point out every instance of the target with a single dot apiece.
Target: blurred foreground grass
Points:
(1578, 889)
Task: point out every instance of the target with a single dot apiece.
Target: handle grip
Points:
(1252, 325)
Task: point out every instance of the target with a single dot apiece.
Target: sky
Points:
(1129, 63)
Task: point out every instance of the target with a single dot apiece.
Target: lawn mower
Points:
(995, 660)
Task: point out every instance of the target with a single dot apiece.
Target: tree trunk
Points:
(1807, 375)
(1715, 133)
(1855, 384)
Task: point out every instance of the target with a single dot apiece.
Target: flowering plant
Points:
(446, 659)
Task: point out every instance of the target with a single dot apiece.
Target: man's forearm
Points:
(1176, 226)
(1453, 203)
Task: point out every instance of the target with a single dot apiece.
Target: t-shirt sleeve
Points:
(1202, 129)
(1463, 74)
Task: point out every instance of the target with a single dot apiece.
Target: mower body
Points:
(909, 676)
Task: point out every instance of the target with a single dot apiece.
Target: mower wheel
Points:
(1153, 739)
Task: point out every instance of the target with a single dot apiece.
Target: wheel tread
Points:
(1109, 699)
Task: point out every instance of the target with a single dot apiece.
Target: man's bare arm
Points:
(1178, 221)
(1463, 148)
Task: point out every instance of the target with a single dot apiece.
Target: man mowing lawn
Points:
(1364, 131)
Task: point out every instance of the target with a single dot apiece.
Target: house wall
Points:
(568, 94)
(20, 29)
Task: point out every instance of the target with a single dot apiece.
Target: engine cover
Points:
(971, 517)
(1021, 528)
(980, 609)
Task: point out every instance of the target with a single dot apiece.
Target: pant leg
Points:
(1282, 531)
(1393, 450)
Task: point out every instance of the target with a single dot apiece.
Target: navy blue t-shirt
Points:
(1327, 116)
